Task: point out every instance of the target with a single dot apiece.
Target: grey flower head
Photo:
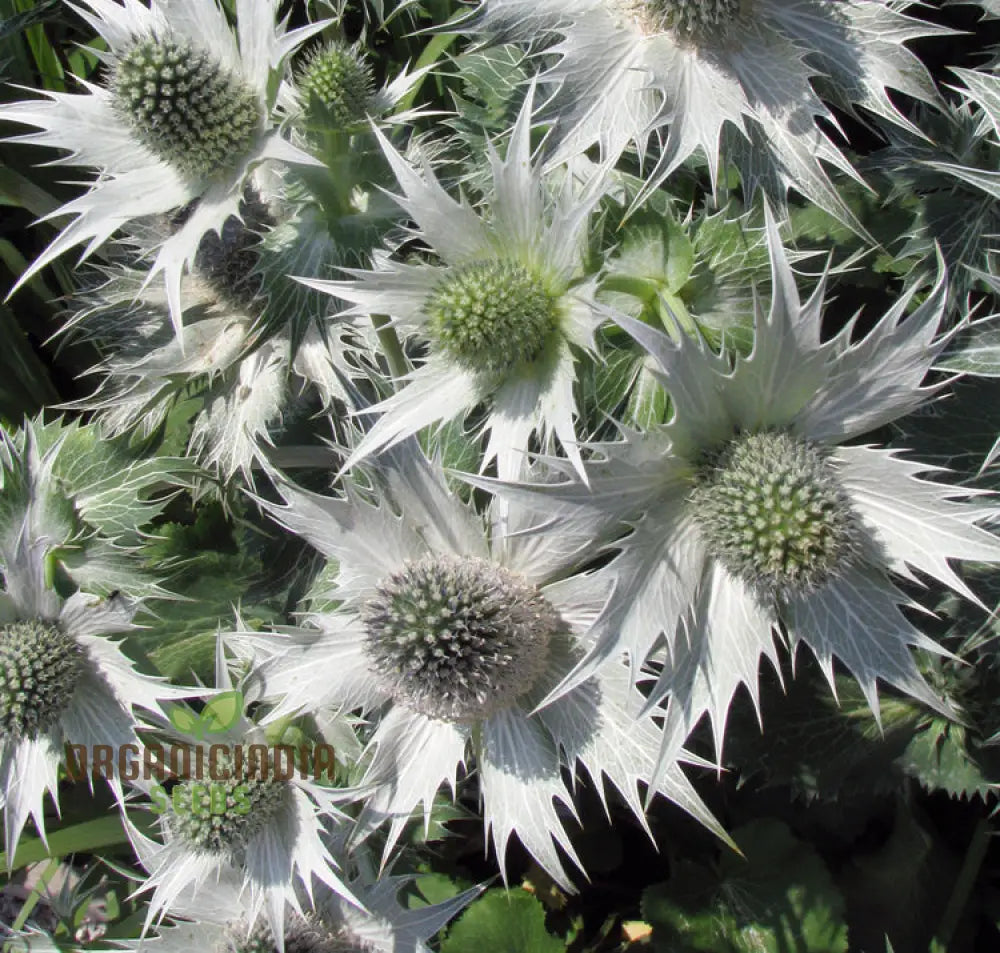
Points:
(448, 628)
(185, 117)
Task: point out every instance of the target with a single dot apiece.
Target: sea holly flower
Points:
(62, 680)
(753, 508)
(266, 833)
(219, 917)
(683, 70)
(336, 83)
(334, 87)
(256, 348)
(183, 116)
(501, 313)
(450, 628)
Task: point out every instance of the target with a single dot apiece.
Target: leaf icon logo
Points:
(186, 721)
(220, 713)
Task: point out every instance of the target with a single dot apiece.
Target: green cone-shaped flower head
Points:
(251, 803)
(493, 315)
(186, 106)
(339, 79)
(40, 666)
(773, 512)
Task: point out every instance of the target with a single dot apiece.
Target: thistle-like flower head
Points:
(685, 69)
(266, 834)
(450, 627)
(336, 81)
(753, 506)
(254, 348)
(501, 311)
(183, 116)
(62, 680)
(219, 916)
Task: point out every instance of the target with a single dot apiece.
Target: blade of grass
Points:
(11, 26)
(36, 894)
(434, 50)
(50, 70)
(26, 377)
(19, 191)
(85, 837)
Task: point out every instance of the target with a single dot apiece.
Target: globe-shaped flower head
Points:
(752, 507)
(450, 627)
(184, 116)
(220, 916)
(265, 833)
(62, 680)
(501, 312)
(729, 77)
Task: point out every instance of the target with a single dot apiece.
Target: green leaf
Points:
(85, 837)
(212, 575)
(648, 403)
(502, 922)
(654, 257)
(221, 712)
(679, 256)
(939, 759)
(780, 897)
(443, 811)
(976, 350)
(433, 888)
(957, 431)
(452, 446)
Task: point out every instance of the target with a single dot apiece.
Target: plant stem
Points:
(390, 344)
(964, 882)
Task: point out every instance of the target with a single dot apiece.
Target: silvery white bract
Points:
(247, 383)
(754, 507)
(276, 850)
(683, 69)
(952, 170)
(981, 92)
(185, 116)
(218, 916)
(451, 628)
(62, 681)
(502, 313)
